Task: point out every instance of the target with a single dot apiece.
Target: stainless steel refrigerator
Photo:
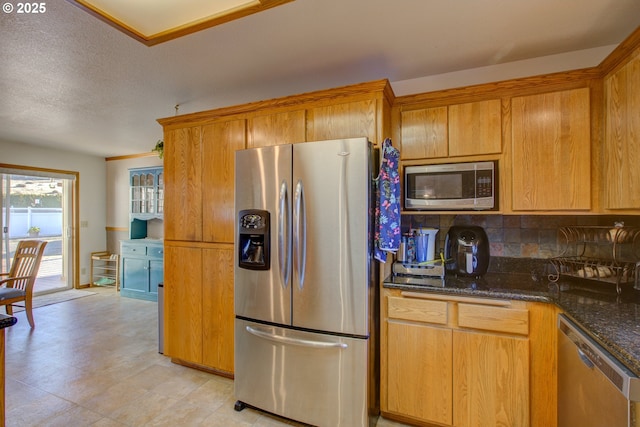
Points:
(306, 291)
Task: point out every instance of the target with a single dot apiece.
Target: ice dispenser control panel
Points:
(253, 239)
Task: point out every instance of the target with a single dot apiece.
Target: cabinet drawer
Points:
(419, 310)
(499, 319)
(137, 250)
(155, 252)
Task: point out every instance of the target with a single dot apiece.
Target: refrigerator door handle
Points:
(294, 341)
(300, 233)
(284, 246)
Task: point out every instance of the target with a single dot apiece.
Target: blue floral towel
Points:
(387, 216)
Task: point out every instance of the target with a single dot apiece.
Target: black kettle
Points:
(467, 250)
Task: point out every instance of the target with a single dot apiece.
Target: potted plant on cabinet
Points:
(159, 148)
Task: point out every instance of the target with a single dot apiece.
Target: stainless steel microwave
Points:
(453, 186)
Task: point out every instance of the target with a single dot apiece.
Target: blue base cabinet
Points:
(141, 269)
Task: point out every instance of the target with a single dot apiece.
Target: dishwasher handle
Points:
(585, 359)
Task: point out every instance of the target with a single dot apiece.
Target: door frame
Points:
(75, 212)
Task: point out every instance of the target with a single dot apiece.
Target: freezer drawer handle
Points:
(294, 341)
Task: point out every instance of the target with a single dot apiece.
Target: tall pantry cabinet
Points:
(199, 154)
(199, 242)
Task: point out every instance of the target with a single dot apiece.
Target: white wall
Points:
(93, 190)
(512, 70)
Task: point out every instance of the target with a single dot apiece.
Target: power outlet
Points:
(84, 224)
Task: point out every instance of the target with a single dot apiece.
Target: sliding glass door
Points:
(38, 204)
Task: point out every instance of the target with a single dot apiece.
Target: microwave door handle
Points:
(284, 244)
(300, 233)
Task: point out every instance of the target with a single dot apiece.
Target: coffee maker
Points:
(467, 251)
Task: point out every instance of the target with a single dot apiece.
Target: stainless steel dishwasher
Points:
(594, 388)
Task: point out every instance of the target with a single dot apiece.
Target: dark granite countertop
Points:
(6, 321)
(612, 320)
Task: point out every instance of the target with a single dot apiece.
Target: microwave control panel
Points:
(484, 183)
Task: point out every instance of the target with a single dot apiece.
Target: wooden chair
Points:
(19, 281)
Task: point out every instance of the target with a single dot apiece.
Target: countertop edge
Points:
(484, 293)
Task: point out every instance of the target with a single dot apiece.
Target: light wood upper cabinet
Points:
(424, 133)
(551, 151)
(199, 181)
(622, 137)
(183, 184)
(349, 120)
(275, 129)
(470, 129)
(475, 128)
(220, 141)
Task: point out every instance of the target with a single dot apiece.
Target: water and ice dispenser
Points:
(253, 239)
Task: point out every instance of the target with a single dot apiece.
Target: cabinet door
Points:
(424, 133)
(159, 205)
(419, 371)
(219, 144)
(622, 137)
(217, 284)
(135, 275)
(490, 380)
(183, 303)
(275, 129)
(348, 120)
(183, 184)
(551, 151)
(475, 128)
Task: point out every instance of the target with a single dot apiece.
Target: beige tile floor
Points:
(94, 361)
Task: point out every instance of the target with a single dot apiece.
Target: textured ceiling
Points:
(69, 80)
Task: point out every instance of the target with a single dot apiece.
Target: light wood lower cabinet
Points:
(491, 380)
(420, 365)
(467, 361)
(198, 311)
(217, 307)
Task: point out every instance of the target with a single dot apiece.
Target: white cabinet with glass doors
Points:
(146, 199)
(146, 193)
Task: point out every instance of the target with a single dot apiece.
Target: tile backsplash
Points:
(519, 236)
